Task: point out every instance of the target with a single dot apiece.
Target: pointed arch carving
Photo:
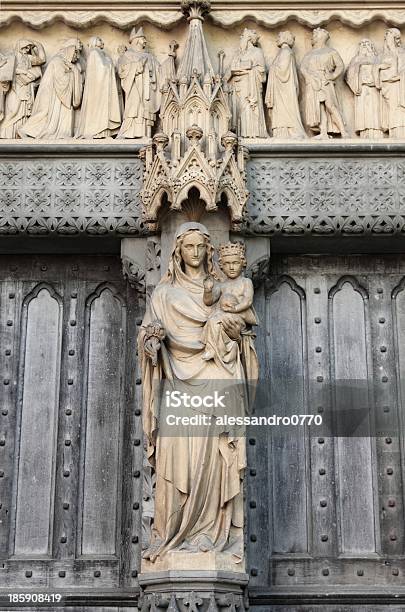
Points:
(286, 279)
(356, 285)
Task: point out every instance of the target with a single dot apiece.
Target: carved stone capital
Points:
(188, 591)
(133, 251)
(134, 274)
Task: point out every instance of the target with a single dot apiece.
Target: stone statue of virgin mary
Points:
(198, 501)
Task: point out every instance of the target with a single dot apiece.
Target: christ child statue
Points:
(234, 297)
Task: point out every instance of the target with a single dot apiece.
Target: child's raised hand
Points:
(208, 283)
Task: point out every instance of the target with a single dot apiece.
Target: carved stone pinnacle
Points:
(194, 133)
(229, 140)
(161, 141)
(195, 9)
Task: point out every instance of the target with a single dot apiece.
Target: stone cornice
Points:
(126, 13)
(73, 148)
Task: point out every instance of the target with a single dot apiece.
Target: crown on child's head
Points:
(232, 248)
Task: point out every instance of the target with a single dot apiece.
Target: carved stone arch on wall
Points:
(273, 286)
(199, 109)
(398, 289)
(99, 290)
(161, 198)
(220, 112)
(226, 198)
(203, 191)
(170, 118)
(40, 287)
(356, 285)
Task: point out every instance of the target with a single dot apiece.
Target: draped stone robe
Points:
(139, 72)
(362, 79)
(282, 96)
(58, 96)
(248, 92)
(100, 114)
(392, 79)
(20, 98)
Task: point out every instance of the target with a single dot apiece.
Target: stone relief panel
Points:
(337, 196)
(327, 82)
(68, 197)
(287, 196)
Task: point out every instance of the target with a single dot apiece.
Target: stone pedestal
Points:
(193, 591)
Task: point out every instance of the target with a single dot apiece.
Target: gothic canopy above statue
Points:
(195, 147)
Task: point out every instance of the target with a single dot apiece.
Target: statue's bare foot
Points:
(204, 544)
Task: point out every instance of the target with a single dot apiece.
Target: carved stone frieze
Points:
(335, 196)
(113, 87)
(291, 196)
(70, 196)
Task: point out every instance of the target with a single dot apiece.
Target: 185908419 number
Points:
(34, 598)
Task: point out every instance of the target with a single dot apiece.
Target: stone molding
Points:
(167, 14)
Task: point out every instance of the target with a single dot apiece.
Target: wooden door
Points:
(326, 513)
(70, 430)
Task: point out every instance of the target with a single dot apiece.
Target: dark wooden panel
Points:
(10, 306)
(323, 498)
(39, 389)
(354, 330)
(102, 413)
(355, 463)
(69, 430)
(258, 506)
(104, 331)
(289, 454)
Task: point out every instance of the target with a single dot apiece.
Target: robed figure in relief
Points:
(100, 114)
(246, 76)
(59, 94)
(198, 501)
(282, 91)
(362, 78)
(392, 83)
(321, 68)
(29, 57)
(139, 74)
(7, 64)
